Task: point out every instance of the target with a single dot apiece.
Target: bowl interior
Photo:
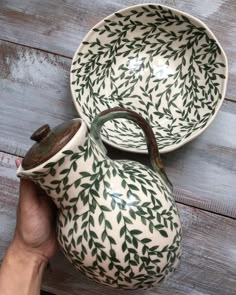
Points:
(159, 62)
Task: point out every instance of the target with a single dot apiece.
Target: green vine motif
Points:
(51, 167)
(117, 67)
(131, 236)
(88, 219)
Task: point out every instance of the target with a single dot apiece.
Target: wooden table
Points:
(37, 41)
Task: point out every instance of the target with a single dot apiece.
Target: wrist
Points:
(26, 255)
(21, 271)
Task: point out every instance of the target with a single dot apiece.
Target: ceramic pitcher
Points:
(117, 220)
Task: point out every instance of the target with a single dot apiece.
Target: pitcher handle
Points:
(118, 113)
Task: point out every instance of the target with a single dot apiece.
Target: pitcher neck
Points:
(49, 174)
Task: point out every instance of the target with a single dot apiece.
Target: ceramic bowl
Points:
(160, 62)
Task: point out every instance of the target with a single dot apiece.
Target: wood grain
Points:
(208, 264)
(59, 25)
(35, 90)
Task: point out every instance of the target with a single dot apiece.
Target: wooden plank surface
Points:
(35, 90)
(208, 263)
(58, 26)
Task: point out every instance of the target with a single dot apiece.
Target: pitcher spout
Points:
(54, 175)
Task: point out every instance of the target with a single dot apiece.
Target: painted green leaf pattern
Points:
(157, 62)
(117, 220)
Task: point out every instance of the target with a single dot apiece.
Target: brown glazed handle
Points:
(118, 113)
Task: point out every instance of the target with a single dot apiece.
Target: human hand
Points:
(33, 244)
(35, 231)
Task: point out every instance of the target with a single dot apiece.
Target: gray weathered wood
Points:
(208, 264)
(35, 90)
(59, 26)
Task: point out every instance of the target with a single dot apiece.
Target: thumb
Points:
(18, 162)
(28, 190)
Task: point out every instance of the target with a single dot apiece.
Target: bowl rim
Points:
(192, 136)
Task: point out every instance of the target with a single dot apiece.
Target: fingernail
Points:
(18, 162)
